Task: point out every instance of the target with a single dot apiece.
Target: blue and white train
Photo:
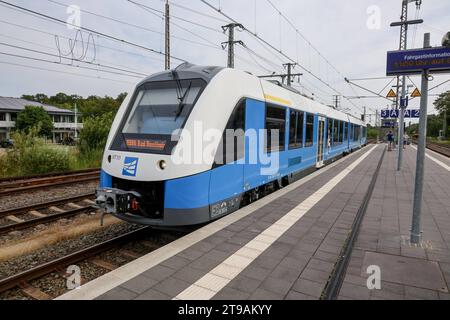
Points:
(142, 183)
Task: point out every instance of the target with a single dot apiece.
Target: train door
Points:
(254, 122)
(320, 142)
(227, 177)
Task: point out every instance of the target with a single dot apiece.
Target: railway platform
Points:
(292, 243)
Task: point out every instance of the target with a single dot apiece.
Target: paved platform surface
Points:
(286, 245)
(282, 247)
(407, 271)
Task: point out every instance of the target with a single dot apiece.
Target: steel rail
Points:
(49, 267)
(49, 218)
(46, 175)
(43, 205)
(28, 185)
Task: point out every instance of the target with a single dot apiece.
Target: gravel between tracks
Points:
(46, 194)
(62, 248)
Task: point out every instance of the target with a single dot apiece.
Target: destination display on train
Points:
(415, 61)
(145, 144)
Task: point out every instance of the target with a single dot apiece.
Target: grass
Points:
(79, 161)
(47, 159)
(436, 140)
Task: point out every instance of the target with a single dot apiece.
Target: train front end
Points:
(140, 178)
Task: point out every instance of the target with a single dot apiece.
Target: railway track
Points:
(22, 279)
(436, 147)
(21, 184)
(37, 214)
(439, 148)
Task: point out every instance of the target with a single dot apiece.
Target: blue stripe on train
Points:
(105, 180)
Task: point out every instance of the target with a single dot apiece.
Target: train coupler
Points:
(115, 201)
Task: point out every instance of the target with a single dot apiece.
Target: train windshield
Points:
(163, 107)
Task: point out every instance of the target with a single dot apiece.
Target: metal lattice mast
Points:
(401, 81)
(167, 36)
(231, 42)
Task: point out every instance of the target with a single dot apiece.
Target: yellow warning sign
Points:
(391, 94)
(416, 94)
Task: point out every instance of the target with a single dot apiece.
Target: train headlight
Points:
(162, 165)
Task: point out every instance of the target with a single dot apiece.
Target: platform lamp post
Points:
(421, 146)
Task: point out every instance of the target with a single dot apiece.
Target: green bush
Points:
(31, 155)
(94, 134)
(88, 160)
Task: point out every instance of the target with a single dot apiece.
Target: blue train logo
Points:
(130, 166)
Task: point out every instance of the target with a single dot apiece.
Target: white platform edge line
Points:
(113, 279)
(190, 293)
(439, 162)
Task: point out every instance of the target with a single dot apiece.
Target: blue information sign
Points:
(416, 60)
(404, 102)
(388, 124)
(394, 114)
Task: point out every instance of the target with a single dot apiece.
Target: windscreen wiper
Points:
(182, 104)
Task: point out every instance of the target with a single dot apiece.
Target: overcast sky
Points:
(346, 33)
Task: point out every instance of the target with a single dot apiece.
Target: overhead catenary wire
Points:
(71, 59)
(56, 20)
(262, 40)
(175, 17)
(174, 4)
(300, 34)
(62, 72)
(69, 65)
(133, 25)
(158, 58)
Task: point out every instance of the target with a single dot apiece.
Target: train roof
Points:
(288, 96)
(186, 71)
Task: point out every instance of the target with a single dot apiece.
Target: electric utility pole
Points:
(337, 102)
(289, 75)
(289, 67)
(401, 81)
(231, 42)
(167, 51)
(76, 121)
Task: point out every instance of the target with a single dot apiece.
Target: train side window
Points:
(330, 131)
(309, 138)
(292, 129)
(341, 132)
(345, 131)
(300, 121)
(296, 130)
(232, 144)
(275, 123)
(335, 132)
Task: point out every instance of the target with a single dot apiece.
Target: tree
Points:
(95, 106)
(442, 103)
(35, 117)
(121, 97)
(95, 132)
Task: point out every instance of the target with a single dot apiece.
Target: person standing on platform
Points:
(390, 139)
